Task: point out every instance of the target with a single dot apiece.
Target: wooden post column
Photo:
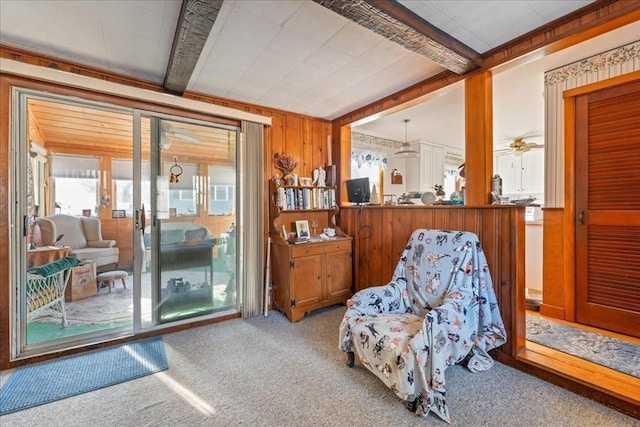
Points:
(479, 138)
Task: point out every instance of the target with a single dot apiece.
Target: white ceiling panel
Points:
(483, 25)
(315, 22)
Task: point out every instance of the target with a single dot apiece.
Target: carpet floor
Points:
(267, 371)
(45, 382)
(606, 351)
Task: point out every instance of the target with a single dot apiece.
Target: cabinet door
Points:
(339, 274)
(533, 172)
(437, 168)
(307, 277)
(508, 167)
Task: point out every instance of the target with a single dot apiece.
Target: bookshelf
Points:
(317, 273)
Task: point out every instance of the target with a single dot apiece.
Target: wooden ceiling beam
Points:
(194, 25)
(395, 22)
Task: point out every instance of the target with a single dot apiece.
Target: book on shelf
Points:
(299, 198)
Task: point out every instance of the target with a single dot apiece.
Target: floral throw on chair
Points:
(438, 310)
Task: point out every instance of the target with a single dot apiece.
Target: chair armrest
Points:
(101, 243)
(390, 298)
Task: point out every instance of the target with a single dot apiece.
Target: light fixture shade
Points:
(406, 151)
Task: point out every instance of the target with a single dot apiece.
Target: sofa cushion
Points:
(94, 253)
(71, 227)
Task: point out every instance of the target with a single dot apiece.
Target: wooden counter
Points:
(380, 234)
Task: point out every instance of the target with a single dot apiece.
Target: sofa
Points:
(82, 234)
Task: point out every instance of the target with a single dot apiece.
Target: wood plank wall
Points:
(381, 233)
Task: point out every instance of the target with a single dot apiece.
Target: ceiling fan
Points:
(169, 132)
(519, 145)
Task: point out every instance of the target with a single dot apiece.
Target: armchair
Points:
(439, 309)
(82, 234)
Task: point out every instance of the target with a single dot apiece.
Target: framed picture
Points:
(302, 229)
(118, 213)
(86, 212)
(173, 212)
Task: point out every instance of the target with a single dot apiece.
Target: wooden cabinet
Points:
(311, 275)
(521, 173)
(314, 274)
(427, 170)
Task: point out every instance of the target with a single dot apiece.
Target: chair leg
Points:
(412, 405)
(350, 359)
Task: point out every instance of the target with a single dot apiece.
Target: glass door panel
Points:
(190, 249)
(69, 152)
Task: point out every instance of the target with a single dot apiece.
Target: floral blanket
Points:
(438, 310)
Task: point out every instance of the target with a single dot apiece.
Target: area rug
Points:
(606, 351)
(117, 306)
(46, 382)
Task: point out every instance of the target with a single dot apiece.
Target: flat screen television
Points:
(358, 190)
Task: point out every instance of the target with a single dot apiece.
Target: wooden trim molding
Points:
(554, 260)
(569, 210)
(602, 84)
(479, 138)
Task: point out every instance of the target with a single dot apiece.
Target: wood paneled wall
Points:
(553, 265)
(381, 233)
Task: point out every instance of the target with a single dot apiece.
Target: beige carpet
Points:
(266, 371)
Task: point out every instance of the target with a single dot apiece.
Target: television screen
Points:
(358, 190)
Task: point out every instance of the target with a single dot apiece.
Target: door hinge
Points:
(291, 264)
(293, 303)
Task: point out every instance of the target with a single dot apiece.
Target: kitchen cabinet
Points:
(427, 170)
(313, 274)
(522, 173)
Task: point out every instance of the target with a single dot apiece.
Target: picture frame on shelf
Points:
(118, 213)
(302, 229)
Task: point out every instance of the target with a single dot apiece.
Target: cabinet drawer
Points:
(344, 245)
(306, 250)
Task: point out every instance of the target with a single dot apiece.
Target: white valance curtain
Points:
(63, 166)
(370, 150)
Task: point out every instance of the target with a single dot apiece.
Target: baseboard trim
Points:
(552, 311)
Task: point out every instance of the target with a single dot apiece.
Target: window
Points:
(182, 194)
(75, 184)
(122, 183)
(222, 190)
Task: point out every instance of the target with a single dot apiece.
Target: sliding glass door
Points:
(122, 221)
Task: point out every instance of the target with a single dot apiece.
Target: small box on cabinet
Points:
(82, 283)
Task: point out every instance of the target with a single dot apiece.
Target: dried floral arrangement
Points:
(285, 164)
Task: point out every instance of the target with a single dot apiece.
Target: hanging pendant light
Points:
(405, 149)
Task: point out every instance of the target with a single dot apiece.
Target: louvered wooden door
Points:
(608, 208)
